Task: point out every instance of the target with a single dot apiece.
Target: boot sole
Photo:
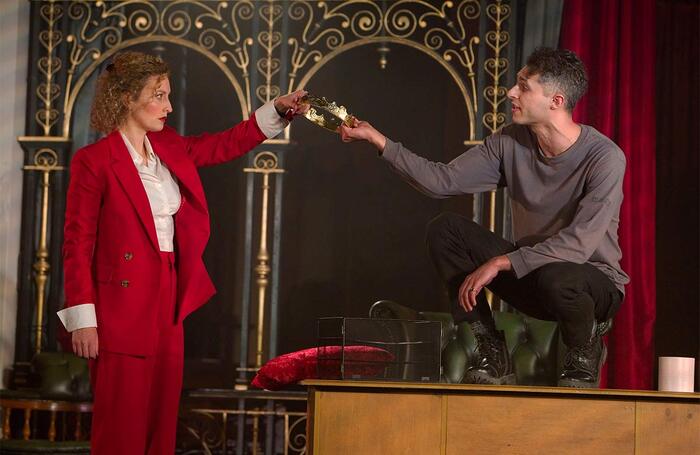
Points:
(578, 384)
(483, 378)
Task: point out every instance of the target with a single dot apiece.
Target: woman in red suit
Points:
(136, 227)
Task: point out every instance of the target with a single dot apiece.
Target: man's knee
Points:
(440, 224)
(560, 281)
(447, 225)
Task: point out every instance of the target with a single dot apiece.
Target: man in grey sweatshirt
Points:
(565, 184)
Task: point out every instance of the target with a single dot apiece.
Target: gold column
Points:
(224, 423)
(265, 163)
(286, 434)
(256, 433)
(496, 66)
(492, 228)
(45, 161)
(495, 94)
(47, 91)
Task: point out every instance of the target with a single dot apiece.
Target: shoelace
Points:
(487, 345)
(574, 357)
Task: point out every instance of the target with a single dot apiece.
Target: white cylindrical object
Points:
(676, 374)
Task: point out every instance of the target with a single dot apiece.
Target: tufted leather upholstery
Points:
(63, 376)
(533, 344)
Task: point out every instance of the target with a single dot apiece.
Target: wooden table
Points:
(363, 417)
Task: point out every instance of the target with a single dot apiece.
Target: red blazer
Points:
(110, 253)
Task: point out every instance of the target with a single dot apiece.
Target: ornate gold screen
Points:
(264, 49)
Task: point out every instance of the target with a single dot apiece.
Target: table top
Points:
(429, 387)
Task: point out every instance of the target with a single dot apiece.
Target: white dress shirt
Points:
(162, 191)
(164, 198)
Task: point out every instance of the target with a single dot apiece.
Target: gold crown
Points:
(327, 114)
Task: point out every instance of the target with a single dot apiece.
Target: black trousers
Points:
(573, 294)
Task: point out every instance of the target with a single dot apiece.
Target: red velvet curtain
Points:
(616, 41)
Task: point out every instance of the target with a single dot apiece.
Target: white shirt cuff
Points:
(78, 317)
(269, 121)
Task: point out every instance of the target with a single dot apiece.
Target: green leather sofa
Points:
(62, 376)
(534, 344)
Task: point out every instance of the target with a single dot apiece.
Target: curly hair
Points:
(562, 70)
(126, 75)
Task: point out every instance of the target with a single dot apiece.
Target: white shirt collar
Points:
(134, 154)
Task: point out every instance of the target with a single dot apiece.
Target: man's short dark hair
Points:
(562, 70)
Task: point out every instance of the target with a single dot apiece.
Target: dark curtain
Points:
(616, 40)
(678, 192)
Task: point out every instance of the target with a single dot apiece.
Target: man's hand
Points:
(362, 131)
(85, 342)
(480, 278)
(291, 104)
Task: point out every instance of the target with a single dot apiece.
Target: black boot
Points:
(494, 364)
(582, 364)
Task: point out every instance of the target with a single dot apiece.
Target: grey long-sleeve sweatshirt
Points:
(565, 208)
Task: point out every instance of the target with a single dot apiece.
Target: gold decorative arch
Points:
(468, 100)
(316, 32)
(72, 92)
(446, 31)
(102, 28)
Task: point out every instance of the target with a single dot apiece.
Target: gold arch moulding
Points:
(149, 39)
(386, 39)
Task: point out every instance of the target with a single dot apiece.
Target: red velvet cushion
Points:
(296, 366)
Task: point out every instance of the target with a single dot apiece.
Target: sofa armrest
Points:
(388, 309)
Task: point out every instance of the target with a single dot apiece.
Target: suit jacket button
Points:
(128, 256)
(125, 283)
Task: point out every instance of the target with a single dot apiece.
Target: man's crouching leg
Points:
(583, 363)
(583, 300)
(458, 246)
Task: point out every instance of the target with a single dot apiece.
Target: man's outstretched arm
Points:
(475, 171)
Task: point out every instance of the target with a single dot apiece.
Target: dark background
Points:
(677, 174)
(354, 231)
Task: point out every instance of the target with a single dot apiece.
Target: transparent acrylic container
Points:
(379, 349)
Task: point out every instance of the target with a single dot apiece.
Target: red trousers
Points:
(136, 398)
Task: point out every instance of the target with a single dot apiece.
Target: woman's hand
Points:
(85, 342)
(291, 104)
(362, 131)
